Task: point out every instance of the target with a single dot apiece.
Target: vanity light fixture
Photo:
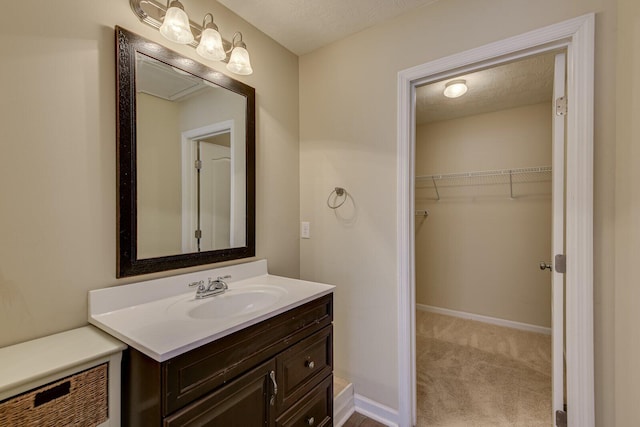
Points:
(174, 24)
(210, 46)
(239, 62)
(455, 88)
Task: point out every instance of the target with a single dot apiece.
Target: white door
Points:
(557, 242)
(215, 196)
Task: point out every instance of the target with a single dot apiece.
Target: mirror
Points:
(186, 161)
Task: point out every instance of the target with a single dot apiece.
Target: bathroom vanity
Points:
(260, 354)
(272, 373)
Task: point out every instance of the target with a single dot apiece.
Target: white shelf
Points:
(491, 177)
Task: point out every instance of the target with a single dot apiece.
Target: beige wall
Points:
(627, 219)
(478, 251)
(159, 176)
(58, 164)
(348, 138)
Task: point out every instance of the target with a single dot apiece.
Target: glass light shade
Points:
(210, 46)
(239, 62)
(175, 26)
(455, 89)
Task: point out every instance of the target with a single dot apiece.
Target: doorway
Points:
(576, 36)
(212, 211)
(483, 197)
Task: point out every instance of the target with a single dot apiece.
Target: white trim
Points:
(343, 406)
(405, 248)
(578, 36)
(485, 319)
(557, 238)
(579, 227)
(376, 411)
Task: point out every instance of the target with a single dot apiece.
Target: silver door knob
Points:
(544, 266)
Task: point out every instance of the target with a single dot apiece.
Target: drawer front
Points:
(194, 374)
(314, 410)
(304, 365)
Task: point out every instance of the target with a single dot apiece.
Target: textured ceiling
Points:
(525, 82)
(305, 25)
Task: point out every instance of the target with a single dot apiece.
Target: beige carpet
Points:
(476, 374)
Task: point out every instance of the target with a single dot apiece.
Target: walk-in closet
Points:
(483, 225)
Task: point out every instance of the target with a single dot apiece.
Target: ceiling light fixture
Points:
(174, 24)
(455, 88)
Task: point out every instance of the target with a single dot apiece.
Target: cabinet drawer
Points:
(304, 365)
(315, 409)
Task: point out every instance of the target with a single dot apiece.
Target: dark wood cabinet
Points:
(276, 372)
(315, 409)
(303, 366)
(246, 401)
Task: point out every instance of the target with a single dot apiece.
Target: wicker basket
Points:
(78, 400)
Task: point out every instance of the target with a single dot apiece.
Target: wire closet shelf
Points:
(492, 177)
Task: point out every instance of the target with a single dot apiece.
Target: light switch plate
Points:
(305, 230)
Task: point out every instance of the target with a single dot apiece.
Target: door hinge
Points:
(198, 164)
(561, 263)
(198, 234)
(561, 106)
(561, 418)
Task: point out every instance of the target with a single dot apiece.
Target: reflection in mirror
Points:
(186, 148)
(190, 160)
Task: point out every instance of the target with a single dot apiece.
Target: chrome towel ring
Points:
(339, 192)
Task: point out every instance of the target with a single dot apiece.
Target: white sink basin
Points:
(234, 302)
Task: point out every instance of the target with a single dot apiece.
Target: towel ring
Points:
(339, 192)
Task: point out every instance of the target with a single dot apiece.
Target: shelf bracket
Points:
(436, 187)
(511, 183)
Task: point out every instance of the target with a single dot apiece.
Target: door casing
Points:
(577, 36)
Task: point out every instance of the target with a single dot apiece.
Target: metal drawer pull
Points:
(272, 375)
(310, 364)
(311, 421)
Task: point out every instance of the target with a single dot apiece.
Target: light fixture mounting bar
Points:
(152, 12)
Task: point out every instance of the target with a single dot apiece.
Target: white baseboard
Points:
(485, 319)
(343, 406)
(376, 411)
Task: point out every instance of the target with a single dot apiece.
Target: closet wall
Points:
(478, 251)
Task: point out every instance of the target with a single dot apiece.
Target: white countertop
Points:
(144, 315)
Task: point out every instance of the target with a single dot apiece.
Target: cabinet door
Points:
(244, 402)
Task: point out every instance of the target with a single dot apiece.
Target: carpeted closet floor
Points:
(473, 374)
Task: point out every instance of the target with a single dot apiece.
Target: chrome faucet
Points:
(215, 287)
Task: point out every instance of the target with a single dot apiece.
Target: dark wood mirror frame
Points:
(127, 44)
